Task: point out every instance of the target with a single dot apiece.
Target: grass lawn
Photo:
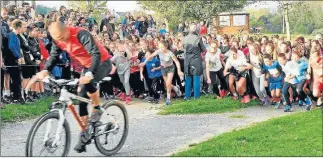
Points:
(206, 104)
(16, 112)
(295, 135)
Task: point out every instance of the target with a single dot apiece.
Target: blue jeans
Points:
(196, 86)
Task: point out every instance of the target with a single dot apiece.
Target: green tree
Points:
(97, 7)
(175, 10)
(43, 9)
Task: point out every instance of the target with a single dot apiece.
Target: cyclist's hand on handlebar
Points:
(42, 74)
(85, 79)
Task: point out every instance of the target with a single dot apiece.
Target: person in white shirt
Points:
(258, 76)
(237, 66)
(214, 69)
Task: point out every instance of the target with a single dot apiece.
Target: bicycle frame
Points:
(66, 99)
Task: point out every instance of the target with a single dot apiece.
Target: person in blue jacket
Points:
(15, 59)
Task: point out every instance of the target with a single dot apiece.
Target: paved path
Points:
(151, 134)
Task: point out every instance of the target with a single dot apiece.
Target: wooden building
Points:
(231, 23)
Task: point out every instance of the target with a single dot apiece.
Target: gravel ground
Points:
(151, 134)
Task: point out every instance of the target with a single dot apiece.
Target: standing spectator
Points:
(125, 21)
(14, 59)
(89, 20)
(12, 11)
(4, 49)
(71, 14)
(151, 21)
(143, 26)
(193, 62)
(62, 12)
(40, 21)
(181, 27)
(27, 9)
(27, 70)
(163, 30)
(203, 29)
(106, 22)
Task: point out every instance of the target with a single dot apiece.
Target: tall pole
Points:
(287, 20)
(283, 20)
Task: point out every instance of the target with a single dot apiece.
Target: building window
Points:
(224, 21)
(239, 20)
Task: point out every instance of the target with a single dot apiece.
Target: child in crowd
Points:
(274, 78)
(153, 70)
(122, 64)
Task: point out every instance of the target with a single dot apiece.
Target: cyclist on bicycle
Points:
(95, 59)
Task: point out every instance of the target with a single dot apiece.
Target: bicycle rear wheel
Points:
(109, 126)
(40, 125)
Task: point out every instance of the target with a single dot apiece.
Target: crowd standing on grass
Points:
(153, 64)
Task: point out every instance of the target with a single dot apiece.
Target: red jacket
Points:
(76, 50)
(203, 30)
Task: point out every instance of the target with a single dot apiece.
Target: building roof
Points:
(234, 13)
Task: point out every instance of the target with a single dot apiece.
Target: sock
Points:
(175, 88)
(7, 93)
(168, 95)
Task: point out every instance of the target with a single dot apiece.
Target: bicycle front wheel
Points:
(45, 146)
(112, 133)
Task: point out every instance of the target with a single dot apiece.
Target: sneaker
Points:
(123, 97)
(128, 100)
(267, 101)
(222, 93)
(262, 102)
(242, 100)
(254, 97)
(27, 97)
(168, 102)
(308, 101)
(246, 99)
(178, 92)
(319, 102)
(20, 101)
(84, 140)
(288, 108)
(5, 101)
(96, 115)
(300, 103)
(36, 96)
(278, 105)
(235, 97)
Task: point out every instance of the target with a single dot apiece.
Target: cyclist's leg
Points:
(83, 111)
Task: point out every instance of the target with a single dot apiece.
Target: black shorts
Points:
(28, 71)
(237, 74)
(103, 71)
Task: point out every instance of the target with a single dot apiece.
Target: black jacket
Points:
(193, 47)
(143, 27)
(34, 48)
(24, 45)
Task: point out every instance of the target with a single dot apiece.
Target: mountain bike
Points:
(62, 135)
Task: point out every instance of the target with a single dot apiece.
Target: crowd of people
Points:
(153, 64)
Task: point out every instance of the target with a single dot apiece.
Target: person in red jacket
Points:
(203, 29)
(80, 45)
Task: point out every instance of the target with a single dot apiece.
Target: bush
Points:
(316, 31)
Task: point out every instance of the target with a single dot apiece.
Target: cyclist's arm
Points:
(53, 58)
(86, 39)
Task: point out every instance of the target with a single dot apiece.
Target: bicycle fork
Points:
(58, 130)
